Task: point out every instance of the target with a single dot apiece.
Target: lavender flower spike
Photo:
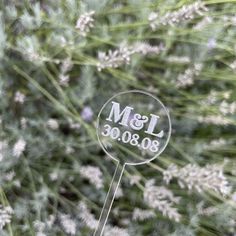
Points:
(122, 55)
(85, 23)
(192, 176)
(185, 13)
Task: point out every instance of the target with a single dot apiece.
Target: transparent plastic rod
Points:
(109, 199)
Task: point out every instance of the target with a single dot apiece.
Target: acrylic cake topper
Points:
(133, 128)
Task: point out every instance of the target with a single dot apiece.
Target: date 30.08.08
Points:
(132, 139)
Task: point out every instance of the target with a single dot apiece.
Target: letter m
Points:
(117, 115)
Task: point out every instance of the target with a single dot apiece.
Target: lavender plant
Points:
(61, 60)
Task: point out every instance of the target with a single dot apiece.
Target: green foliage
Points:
(44, 181)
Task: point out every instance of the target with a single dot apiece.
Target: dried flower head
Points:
(69, 150)
(39, 227)
(187, 78)
(211, 99)
(162, 199)
(179, 59)
(5, 215)
(185, 13)
(53, 124)
(208, 211)
(19, 97)
(113, 59)
(93, 174)
(23, 122)
(215, 144)
(66, 65)
(54, 175)
(110, 230)
(227, 108)
(85, 23)
(141, 215)
(68, 224)
(192, 176)
(86, 216)
(146, 48)
(64, 80)
(74, 125)
(19, 148)
(122, 55)
(9, 176)
(214, 119)
(134, 179)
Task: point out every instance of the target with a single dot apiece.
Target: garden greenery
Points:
(61, 60)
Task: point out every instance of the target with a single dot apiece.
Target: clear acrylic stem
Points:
(109, 199)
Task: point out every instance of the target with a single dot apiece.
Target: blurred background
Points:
(61, 60)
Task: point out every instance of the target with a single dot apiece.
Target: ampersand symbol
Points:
(138, 121)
